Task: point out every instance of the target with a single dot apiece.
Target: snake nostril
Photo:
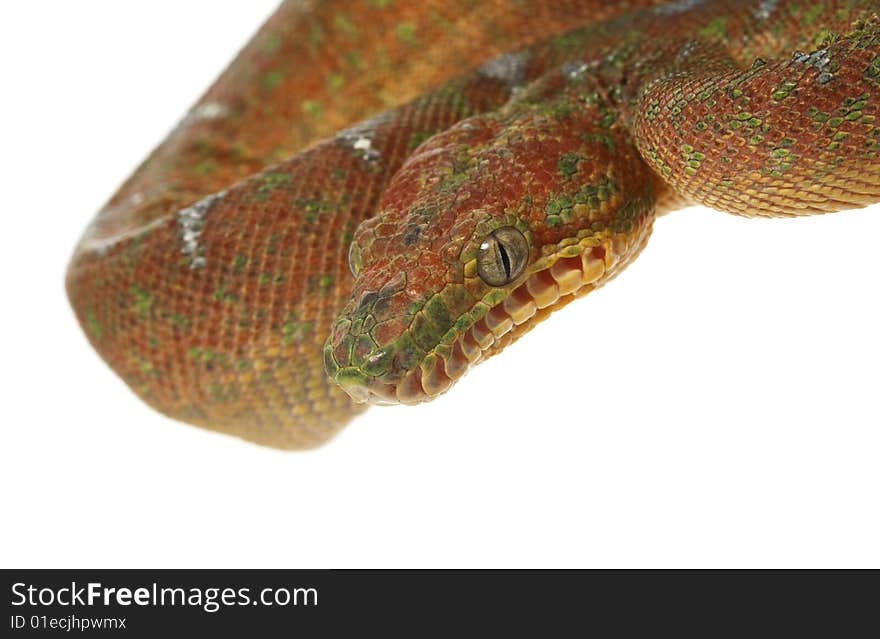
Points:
(364, 346)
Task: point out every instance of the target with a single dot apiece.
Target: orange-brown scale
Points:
(213, 308)
(419, 292)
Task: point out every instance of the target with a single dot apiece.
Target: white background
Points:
(716, 405)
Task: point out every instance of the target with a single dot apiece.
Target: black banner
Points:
(269, 603)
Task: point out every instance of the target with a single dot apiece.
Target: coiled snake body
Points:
(272, 266)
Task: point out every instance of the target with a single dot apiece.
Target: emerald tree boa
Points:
(377, 195)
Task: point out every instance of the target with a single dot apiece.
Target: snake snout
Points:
(374, 374)
(409, 358)
(396, 384)
(382, 356)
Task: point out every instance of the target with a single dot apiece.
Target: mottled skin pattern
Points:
(220, 290)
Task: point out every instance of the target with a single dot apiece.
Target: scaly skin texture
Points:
(216, 281)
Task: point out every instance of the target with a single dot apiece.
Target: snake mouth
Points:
(542, 292)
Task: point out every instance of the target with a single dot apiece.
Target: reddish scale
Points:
(501, 161)
(785, 167)
(233, 344)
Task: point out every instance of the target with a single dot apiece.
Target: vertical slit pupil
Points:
(505, 259)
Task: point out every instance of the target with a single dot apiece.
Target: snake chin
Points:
(524, 307)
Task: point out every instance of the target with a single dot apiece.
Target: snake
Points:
(377, 195)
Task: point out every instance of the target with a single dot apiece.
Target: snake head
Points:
(486, 229)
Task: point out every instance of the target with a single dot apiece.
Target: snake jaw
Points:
(542, 181)
(551, 283)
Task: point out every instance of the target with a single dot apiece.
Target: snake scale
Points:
(378, 194)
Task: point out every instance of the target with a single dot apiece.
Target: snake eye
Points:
(502, 256)
(354, 259)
